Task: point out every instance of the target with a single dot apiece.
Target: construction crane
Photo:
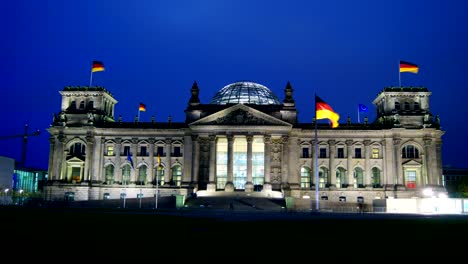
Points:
(25, 136)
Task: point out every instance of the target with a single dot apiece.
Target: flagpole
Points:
(316, 161)
(91, 79)
(399, 75)
(138, 115)
(358, 118)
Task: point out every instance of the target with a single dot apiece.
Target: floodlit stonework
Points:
(244, 140)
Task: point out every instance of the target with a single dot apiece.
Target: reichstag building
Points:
(246, 139)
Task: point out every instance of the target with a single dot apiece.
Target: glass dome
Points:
(245, 93)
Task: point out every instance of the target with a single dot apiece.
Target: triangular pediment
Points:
(75, 160)
(412, 163)
(240, 115)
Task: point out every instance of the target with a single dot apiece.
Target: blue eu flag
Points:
(362, 108)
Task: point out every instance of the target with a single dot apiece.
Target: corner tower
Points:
(406, 107)
(83, 105)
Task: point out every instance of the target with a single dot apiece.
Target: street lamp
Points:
(157, 186)
(21, 197)
(4, 197)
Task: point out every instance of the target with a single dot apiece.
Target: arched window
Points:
(73, 105)
(397, 106)
(109, 171)
(358, 178)
(160, 175)
(177, 175)
(410, 152)
(77, 149)
(126, 169)
(142, 172)
(90, 105)
(323, 177)
(407, 106)
(305, 177)
(82, 105)
(376, 178)
(341, 178)
(416, 106)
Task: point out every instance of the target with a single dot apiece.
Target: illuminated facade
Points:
(244, 140)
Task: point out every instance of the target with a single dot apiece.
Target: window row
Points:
(341, 179)
(340, 153)
(144, 151)
(142, 175)
(408, 152)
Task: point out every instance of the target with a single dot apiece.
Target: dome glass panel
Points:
(245, 93)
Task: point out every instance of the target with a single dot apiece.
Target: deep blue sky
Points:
(345, 51)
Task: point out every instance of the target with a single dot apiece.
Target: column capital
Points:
(427, 141)
(212, 138)
(168, 141)
(230, 138)
(267, 139)
(366, 142)
(249, 139)
(396, 141)
(331, 142)
(194, 137)
(285, 139)
(349, 142)
(151, 140)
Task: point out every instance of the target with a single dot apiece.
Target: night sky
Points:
(344, 51)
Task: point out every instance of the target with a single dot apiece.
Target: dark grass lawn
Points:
(269, 236)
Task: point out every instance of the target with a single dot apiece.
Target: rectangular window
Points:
(305, 152)
(375, 153)
(177, 152)
(340, 153)
(411, 179)
(323, 153)
(143, 151)
(110, 151)
(160, 151)
(357, 153)
(126, 150)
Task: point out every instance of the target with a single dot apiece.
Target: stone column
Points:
(437, 171)
(195, 159)
(134, 154)
(397, 162)
(331, 163)
(187, 175)
(349, 164)
(211, 187)
(88, 158)
(98, 164)
(249, 184)
(118, 162)
(267, 179)
(58, 155)
(389, 159)
(383, 180)
(229, 184)
(284, 163)
(151, 169)
(52, 153)
(367, 169)
(426, 162)
(168, 162)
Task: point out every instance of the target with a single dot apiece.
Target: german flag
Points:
(324, 111)
(97, 66)
(142, 107)
(408, 67)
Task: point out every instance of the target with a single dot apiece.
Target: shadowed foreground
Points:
(265, 235)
